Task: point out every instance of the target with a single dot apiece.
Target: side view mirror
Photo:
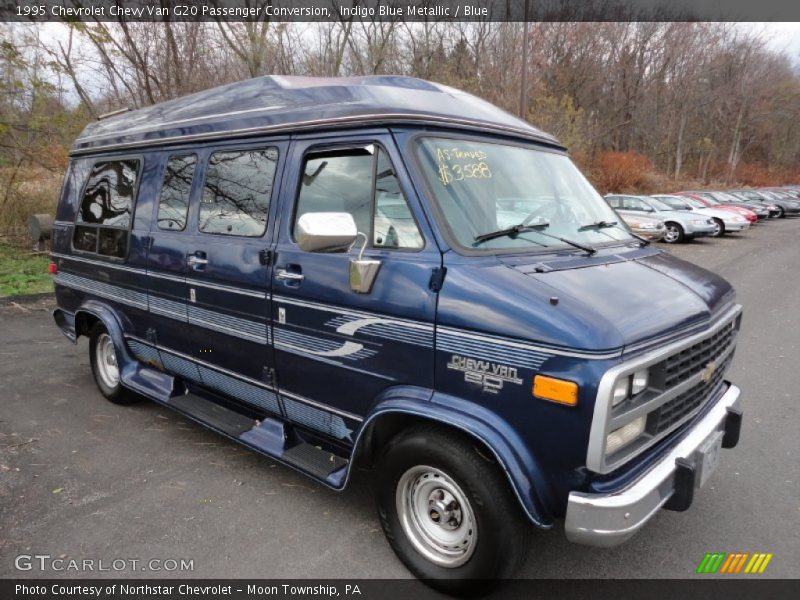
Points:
(363, 271)
(326, 232)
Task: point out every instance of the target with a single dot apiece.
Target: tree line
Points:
(640, 105)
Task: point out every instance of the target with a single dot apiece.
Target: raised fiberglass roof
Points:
(288, 104)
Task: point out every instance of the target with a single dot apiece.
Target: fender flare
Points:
(111, 321)
(510, 452)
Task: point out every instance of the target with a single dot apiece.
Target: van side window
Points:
(173, 203)
(365, 185)
(236, 192)
(104, 215)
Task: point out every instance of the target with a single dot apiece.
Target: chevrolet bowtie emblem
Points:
(708, 372)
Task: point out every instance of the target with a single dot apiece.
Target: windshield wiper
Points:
(536, 228)
(598, 225)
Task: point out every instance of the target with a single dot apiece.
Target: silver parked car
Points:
(725, 220)
(679, 225)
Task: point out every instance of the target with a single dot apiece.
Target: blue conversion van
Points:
(392, 273)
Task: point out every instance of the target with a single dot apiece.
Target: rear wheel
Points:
(448, 512)
(674, 233)
(105, 368)
(719, 228)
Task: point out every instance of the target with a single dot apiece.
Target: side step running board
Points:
(269, 437)
(212, 414)
(313, 460)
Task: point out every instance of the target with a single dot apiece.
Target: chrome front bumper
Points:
(610, 519)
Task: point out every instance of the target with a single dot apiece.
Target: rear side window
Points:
(236, 192)
(173, 203)
(105, 212)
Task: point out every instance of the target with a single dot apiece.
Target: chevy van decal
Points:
(490, 376)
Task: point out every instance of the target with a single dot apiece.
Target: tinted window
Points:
(352, 182)
(173, 204)
(104, 215)
(108, 196)
(614, 202)
(237, 191)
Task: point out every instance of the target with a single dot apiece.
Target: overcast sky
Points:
(784, 37)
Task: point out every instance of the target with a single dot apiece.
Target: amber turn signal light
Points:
(555, 390)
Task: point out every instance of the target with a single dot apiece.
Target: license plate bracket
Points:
(707, 457)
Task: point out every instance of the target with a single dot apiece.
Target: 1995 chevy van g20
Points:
(390, 272)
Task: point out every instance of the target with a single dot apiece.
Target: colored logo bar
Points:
(734, 562)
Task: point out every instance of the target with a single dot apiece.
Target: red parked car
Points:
(746, 213)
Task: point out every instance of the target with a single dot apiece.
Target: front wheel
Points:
(719, 228)
(448, 511)
(781, 212)
(674, 233)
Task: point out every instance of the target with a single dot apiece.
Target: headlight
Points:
(698, 221)
(639, 381)
(629, 386)
(647, 226)
(621, 390)
(619, 438)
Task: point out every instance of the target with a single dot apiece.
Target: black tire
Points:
(680, 236)
(501, 532)
(116, 393)
(721, 228)
(781, 213)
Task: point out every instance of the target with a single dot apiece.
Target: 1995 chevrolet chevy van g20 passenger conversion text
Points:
(389, 272)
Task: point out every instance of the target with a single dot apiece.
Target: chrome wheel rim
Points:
(436, 516)
(717, 229)
(671, 235)
(106, 360)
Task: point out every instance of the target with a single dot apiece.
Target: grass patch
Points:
(22, 272)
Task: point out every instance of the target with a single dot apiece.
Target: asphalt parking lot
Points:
(82, 478)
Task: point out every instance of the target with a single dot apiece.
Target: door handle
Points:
(197, 261)
(288, 275)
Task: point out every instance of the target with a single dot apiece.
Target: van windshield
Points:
(482, 187)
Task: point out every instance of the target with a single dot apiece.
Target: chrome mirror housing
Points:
(363, 271)
(326, 232)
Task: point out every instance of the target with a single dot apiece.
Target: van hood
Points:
(587, 303)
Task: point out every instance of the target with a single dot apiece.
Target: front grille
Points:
(673, 411)
(694, 359)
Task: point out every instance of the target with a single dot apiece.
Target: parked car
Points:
(785, 205)
(763, 210)
(775, 210)
(222, 255)
(793, 191)
(679, 226)
(725, 221)
(708, 201)
(759, 208)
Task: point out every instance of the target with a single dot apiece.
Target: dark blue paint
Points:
(608, 304)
